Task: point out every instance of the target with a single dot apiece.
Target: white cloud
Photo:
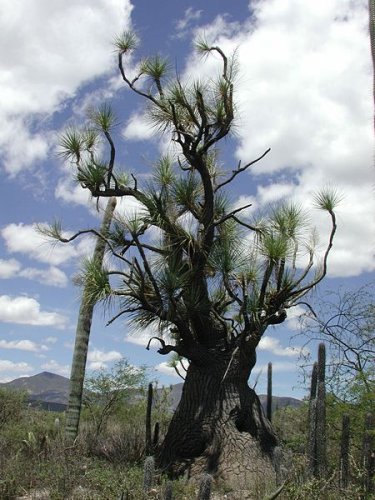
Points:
(167, 370)
(274, 346)
(305, 91)
(277, 367)
(26, 311)
(71, 192)
(55, 367)
(23, 238)
(75, 32)
(138, 128)
(23, 345)
(10, 366)
(9, 268)
(52, 276)
(183, 24)
(50, 340)
(139, 337)
(98, 359)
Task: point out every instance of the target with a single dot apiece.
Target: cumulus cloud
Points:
(10, 366)
(273, 345)
(74, 32)
(51, 276)
(9, 268)
(304, 90)
(55, 367)
(27, 311)
(167, 370)
(98, 359)
(24, 239)
(23, 345)
(138, 128)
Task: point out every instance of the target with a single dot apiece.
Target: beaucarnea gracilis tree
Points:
(213, 279)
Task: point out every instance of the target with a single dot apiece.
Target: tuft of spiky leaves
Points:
(71, 144)
(52, 231)
(163, 173)
(91, 175)
(103, 117)
(126, 42)
(327, 199)
(94, 278)
(155, 67)
(201, 45)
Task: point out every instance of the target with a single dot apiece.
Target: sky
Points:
(304, 90)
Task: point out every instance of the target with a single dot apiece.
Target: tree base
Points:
(219, 428)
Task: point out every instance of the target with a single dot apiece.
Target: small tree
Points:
(12, 404)
(345, 321)
(216, 279)
(106, 391)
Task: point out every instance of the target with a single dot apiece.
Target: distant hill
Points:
(277, 401)
(45, 386)
(51, 391)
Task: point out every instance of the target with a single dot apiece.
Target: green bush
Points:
(12, 404)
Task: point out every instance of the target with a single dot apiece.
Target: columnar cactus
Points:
(269, 392)
(317, 453)
(368, 459)
(168, 492)
(344, 452)
(155, 440)
(148, 420)
(148, 473)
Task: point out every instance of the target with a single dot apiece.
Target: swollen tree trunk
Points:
(86, 310)
(219, 426)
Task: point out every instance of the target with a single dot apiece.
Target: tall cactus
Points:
(148, 473)
(86, 310)
(317, 452)
(269, 392)
(148, 420)
(368, 454)
(344, 452)
(311, 449)
(321, 442)
(168, 492)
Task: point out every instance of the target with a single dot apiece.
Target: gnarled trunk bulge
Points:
(219, 426)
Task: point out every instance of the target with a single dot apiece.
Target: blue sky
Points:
(304, 90)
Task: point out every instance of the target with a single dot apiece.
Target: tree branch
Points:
(241, 169)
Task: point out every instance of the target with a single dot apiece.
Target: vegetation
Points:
(215, 280)
(345, 322)
(36, 458)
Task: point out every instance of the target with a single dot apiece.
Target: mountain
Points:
(277, 401)
(51, 391)
(45, 386)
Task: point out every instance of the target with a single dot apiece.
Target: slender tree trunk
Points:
(219, 426)
(86, 310)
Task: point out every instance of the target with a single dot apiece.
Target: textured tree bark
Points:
(86, 310)
(219, 426)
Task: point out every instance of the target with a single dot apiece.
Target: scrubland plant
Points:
(205, 487)
(148, 473)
